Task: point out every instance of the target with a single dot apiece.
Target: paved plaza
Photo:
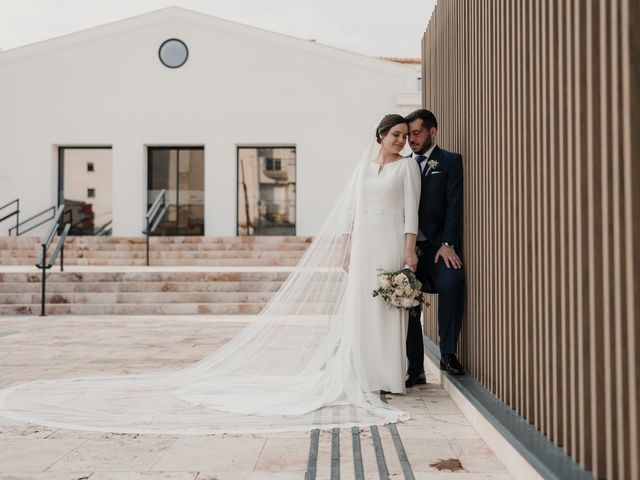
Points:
(438, 441)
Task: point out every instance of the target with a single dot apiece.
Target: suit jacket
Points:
(440, 211)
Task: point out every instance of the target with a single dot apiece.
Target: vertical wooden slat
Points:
(630, 75)
(527, 99)
(551, 357)
(545, 265)
(561, 383)
(494, 165)
(605, 150)
(536, 228)
(503, 271)
(509, 210)
(583, 32)
(596, 354)
(619, 430)
(571, 329)
(521, 311)
(483, 201)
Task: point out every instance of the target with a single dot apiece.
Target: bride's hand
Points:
(411, 261)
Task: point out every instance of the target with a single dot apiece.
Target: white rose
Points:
(408, 290)
(385, 282)
(399, 292)
(407, 302)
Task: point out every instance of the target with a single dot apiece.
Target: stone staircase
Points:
(139, 293)
(164, 251)
(189, 275)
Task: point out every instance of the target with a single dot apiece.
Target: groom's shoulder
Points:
(449, 155)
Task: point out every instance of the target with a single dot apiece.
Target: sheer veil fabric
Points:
(297, 366)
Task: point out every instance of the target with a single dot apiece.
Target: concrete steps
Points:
(223, 262)
(140, 292)
(164, 251)
(106, 275)
(136, 309)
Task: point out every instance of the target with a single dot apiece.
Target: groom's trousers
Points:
(449, 284)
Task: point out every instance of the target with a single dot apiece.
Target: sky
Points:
(371, 27)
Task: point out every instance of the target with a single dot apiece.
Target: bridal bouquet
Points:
(400, 289)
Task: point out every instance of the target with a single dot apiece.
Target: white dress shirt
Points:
(426, 154)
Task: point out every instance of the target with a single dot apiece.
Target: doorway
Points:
(179, 171)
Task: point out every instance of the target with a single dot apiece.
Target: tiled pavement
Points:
(438, 441)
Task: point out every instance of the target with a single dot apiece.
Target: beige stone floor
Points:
(56, 346)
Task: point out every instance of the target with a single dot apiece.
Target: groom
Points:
(439, 264)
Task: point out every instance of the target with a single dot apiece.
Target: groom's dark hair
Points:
(428, 119)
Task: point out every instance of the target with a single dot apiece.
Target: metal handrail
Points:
(16, 212)
(154, 216)
(45, 265)
(52, 232)
(104, 229)
(160, 200)
(159, 217)
(59, 249)
(51, 209)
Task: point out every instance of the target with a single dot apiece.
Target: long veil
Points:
(296, 366)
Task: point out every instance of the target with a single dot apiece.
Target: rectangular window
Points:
(91, 193)
(266, 191)
(90, 167)
(179, 171)
(273, 164)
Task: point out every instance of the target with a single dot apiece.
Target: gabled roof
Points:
(203, 20)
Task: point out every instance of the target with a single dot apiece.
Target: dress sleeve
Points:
(412, 187)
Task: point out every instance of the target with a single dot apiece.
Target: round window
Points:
(173, 53)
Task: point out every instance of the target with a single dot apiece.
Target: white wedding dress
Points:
(315, 357)
(391, 198)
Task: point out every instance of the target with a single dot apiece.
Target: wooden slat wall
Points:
(542, 99)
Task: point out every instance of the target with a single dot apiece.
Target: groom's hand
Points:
(448, 254)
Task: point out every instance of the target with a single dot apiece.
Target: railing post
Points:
(147, 241)
(44, 279)
(62, 258)
(18, 217)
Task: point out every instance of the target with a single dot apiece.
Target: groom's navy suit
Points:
(440, 221)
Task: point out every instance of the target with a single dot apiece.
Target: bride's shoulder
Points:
(411, 164)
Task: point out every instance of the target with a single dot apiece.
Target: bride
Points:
(315, 357)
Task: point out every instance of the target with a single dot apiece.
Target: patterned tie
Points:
(419, 158)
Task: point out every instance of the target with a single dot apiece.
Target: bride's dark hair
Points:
(387, 123)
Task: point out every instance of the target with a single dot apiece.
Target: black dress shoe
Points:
(419, 379)
(449, 362)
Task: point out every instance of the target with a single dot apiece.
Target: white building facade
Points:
(254, 133)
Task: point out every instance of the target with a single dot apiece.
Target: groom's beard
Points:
(428, 143)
